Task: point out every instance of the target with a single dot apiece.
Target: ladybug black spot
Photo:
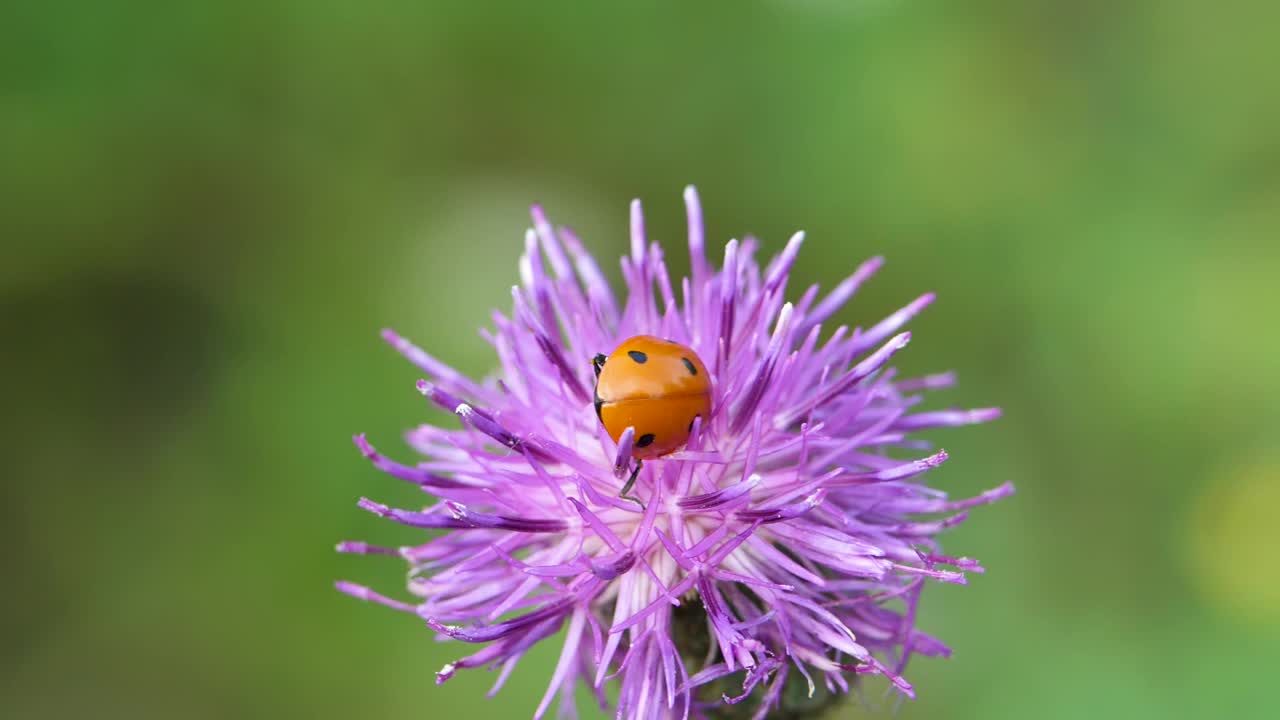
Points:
(645, 440)
(638, 356)
(689, 364)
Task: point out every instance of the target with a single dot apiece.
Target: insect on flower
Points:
(654, 385)
(774, 531)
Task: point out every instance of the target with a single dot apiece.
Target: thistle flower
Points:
(778, 556)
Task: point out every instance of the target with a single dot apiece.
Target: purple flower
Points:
(786, 546)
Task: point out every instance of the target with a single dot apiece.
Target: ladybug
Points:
(659, 387)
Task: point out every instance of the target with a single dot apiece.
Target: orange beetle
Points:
(657, 387)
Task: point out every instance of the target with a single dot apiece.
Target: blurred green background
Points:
(209, 210)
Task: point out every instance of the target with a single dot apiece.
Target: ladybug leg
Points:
(597, 363)
(631, 481)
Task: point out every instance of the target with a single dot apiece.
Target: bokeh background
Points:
(208, 210)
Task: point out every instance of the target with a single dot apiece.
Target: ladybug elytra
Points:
(659, 387)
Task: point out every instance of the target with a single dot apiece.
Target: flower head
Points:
(786, 545)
